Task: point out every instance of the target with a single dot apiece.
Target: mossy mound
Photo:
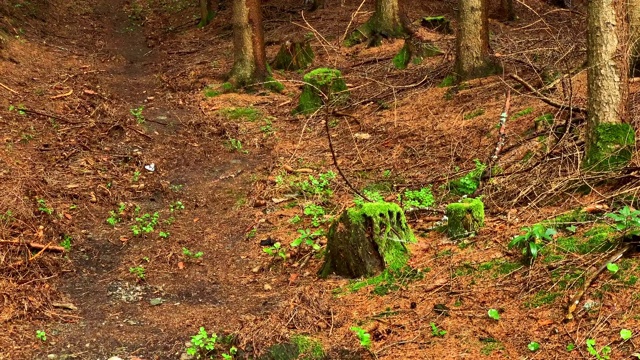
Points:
(610, 148)
(293, 56)
(414, 49)
(321, 85)
(465, 217)
(366, 240)
(299, 348)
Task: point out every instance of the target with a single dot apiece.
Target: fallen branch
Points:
(50, 116)
(33, 245)
(575, 300)
(8, 88)
(545, 99)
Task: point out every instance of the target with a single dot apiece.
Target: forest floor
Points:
(164, 193)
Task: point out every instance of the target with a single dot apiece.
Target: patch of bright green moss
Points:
(542, 298)
(321, 85)
(309, 348)
(389, 281)
(245, 113)
(465, 217)
(610, 147)
(402, 59)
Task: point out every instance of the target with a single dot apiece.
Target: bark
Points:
(472, 40)
(206, 12)
(506, 9)
(607, 43)
(385, 22)
(634, 36)
(250, 62)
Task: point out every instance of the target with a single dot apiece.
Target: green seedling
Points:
(232, 351)
(41, 335)
(308, 238)
(7, 218)
(571, 346)
(533, 346)
(386, 173)
(363, 336)
(164, 234)
(276, 250)
(236, 145)
(613, 268)
(316, 212)
(469, 183)
(114, 215)
(66, 242)
(317, 186)
(494, 314)
(626, 221)
(252, 233)
(43, 208)
(145, 224)
(294, 220)
(138, 271)
(20, 109)
(201, 344)
(267, 128)
(437, 332)
(176, 187)
(188, 253)
(178, 205)
(603, 354)
(136, 176)
(532, 240)
(417, 199)
(625, 334)
(137, 114)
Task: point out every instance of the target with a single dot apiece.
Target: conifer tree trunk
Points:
(472, 40)
(634, 36)
(385, 22)
(206, 12)
(250, 62)
(610, 141)
(506, 8)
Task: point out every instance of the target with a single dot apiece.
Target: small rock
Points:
(115, 358)
(267, 287)
(156, 301)
(52, 356)
(256, 269)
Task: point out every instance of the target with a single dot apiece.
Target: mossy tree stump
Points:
(293, 55)
(367, 240)
(416, 49)
(611, 147)
(465, 218)
(321, 86)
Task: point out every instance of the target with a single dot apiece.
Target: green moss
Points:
(389, 281)
(273, 85)
(385, 217)
(600, 238)
(309, 348)
(241, 113)
(402, 59)
(610, 147)
(448, 81)
(473, 114)
(465, 217)
(321, 85)
(542, 298)
(437, 23)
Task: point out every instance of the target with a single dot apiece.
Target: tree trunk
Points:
(634, 36)
(385, 22)
(472, 40)
(610, 141)
(250, 62)
(206, 13)
(506, 9)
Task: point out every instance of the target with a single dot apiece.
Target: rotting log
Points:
(366, 240)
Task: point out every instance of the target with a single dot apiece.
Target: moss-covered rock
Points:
(321, 86)
(294, 55)
(366, 240)
(465, 217)
(610, 147)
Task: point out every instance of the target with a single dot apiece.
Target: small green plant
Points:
(626, 221)
(294, 220)
(363, 336)
(188, 253)
(603, 354)
(419, 199)
(571, 346)
(43, 208)
(20, 109)
(202, 344)
(316, 212)
(522, 113)
(178, 205)
(267, 128)
(176, 187)
(386, 173)
(494, 314)
(613, 268)
(114, 215)
(7, 217)
(474, 114)
(137, 114)
(136, 176)
(41, 335)
(469, 183)
(66, 242)
(164, 234)
(236, 145)
(533, 346)
(625, 334)
(437, 332)
(317, 186)
(276, 250)
(448, 81)
(308, 238)
(145, 224)
(532, 240)
(232, 351)
(138, 271)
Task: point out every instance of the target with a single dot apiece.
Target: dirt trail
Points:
(116, 317)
